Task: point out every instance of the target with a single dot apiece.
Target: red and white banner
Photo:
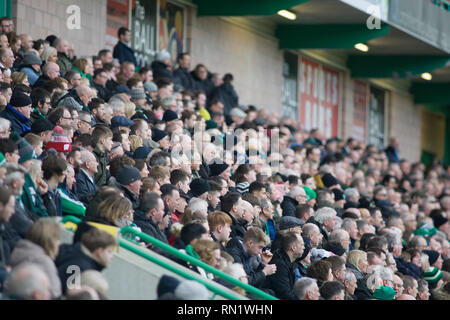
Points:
(319, 97)
(360, 100)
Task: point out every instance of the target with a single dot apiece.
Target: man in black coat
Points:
(122, 51)
(231, 204)
(85, 185)
(181, 76)
(162, 65)
(292, 199)
(18, 112)
(246, 250)
(226, 94)
(129, 179)
(149, 215)
(283, 280)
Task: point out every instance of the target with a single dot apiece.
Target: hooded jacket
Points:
(27, 251)
(288, 206)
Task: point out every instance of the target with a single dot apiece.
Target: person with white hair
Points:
(292, 199)
(5, 128)
(27, 281)
(85, 184)
(306, 289)
(197, 204)
(351, 198)
(326, 219)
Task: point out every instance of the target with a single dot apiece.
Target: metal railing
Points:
(126, 243)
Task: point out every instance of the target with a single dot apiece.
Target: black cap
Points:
(218, 168)
(169, 115)
(128, 174)
(287, 222)
(335, 247)
(121, 121)
(141, 153)
(329, 180)
(20, 99)
(158, 134)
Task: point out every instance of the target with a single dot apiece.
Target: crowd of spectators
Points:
(168, 150)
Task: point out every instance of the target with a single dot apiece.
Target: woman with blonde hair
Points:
(83, 67)
(135, 142)
(208, 252)
(49, 54)
(130, 109)
(113, 210)
(33, 187)
(41, 247)
(18, 78)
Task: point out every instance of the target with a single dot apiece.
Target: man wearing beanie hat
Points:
(169, 116)
(26, 152)
(130, 182)
(218, 169)
(161, 137)
(43, 128)
(18, 112)
(440, 222)
(434, 257)
(199, 188)
(59, 141)
(161, 65)
(384, 293)
(432, 275)
(138, 97)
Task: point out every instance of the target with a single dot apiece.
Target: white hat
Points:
(191, 290)
(237, 113)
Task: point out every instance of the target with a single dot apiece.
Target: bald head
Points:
(248, 211)
(51, 70)
(61, 45)
(27, 42)
(405, 297)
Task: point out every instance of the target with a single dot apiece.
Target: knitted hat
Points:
(19, 99)
(30, 58)
(329, 180)
(384, 293)
(26, 152)
(2, 159)
(287, 222)
(438, 220)
(236, 112)
(141, 153)
(338, 194)
(199, 187)
(211, 124)
(166, 284)
(310, 193)
(71, 103)
(218, 168)
(137, 94)
(432, 255)
(158, 134)
(59, 141)
(162, 55)
(169, 115)
(121, 121)
(41, 125)
(128, 174)
(432, 275)
(191, 290)
(334, 247)
(150, 86)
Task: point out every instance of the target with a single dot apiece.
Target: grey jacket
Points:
(27, 251)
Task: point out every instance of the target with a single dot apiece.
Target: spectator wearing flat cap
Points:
(31, 66)
(121, 122)
(138, 97)
(161, 137)
(141, 153)
(237, 116)
(286, 224)
(18, 112)
(129, 179)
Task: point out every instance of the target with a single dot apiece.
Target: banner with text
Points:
(143, 30)
(319, 97)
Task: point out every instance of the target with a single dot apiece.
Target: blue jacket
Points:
(84, 186)
(19, 123)
(124, 53)
(32, 75)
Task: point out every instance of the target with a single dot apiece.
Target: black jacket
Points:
(21, 220)
(134, 198)
(19, 123)
(41, 81)
(124, 53)
(160, 70)
(227, 95)
(102, 91)
(207, 86)
(71, 255)
(147, 226)
(288, 206)
(362, 292)
(183, 78)
(204, 171)
(282, 282)
(9, 238)
(255, 275)
(237, 228)
(84, 186)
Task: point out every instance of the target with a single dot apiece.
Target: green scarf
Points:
(190, 251)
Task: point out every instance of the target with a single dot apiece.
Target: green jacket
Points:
(100, 177)
(71, 206)
(64, 63)
(31, 199)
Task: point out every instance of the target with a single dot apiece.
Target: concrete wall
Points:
(40, 18)
(254, 60)
(405, 123)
